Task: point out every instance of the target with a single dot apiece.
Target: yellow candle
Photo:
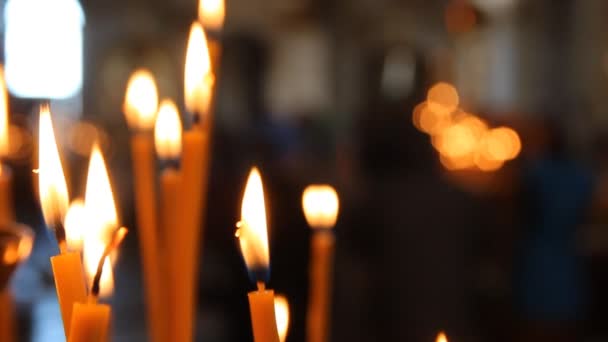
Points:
(67, 267)
(90, 320)
(7, 213)
(140, 107)
(320, 204)
(253, 239)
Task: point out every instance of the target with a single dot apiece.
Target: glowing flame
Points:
(441, 337)
(321, 206)
(75, 222)
(168, 131)
(281, 312)
(198, 76)
(443, 97)
(102, 218)
(51, 180)
(141, 100)
(211, 13)
(4, 142)
(253, 235)
(20, 248)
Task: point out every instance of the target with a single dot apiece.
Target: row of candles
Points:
(170, 220)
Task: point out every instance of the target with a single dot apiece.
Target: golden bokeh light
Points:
(281, 312)
(168, 131)
(432, 121)
(253, 234)
(53, 189)
(443, 97)
(141, 100)
(198, 76)
(211, 13)
(4, 122)
(456, 141)
(441, 337)
(321, 205)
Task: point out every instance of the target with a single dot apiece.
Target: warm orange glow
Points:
(25, 245)
(456, 141)
(76, 221)
(168, 131)
(51, 180)
(18, 249)
(321, 205)
(441, 337)
(487, 164)
(211, 13)
(198, 76)
(434, 121)
(4, 126)
(281, 312)
(102, 220)
(141, 100)
(443, 97)
(253, 234)
(501, 144)
(457, 163)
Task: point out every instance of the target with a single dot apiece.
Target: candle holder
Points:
(16, 241)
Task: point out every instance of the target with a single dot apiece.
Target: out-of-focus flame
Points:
(168, 131)
(211, 13)
(321, 205)
(198, 76)
(75, 224)
(141, 100)
(4, 126)
(51, 180)
(456, 141)
(443, 97)
(281, 313)
(102, 218)
(441, 337)
(253, 234)
(434, 121)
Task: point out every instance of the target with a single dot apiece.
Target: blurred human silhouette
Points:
(550, 277)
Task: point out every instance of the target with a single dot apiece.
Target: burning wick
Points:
(117, 238)
(59, 230)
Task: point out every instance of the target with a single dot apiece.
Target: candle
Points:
(140, 107)
(211, 14)
(67, 266)
(281, 310)
(7, 214)
(320, 204)
(198, 82)
(253, 239)
(91, 320)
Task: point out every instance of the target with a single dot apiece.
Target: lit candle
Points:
(281, 310)
(198, 82)
(441, 337)
(7, 214)
(253, 238)
(211, 14)
(321, 205)
(91, 320)
(168, 142)
(141, 102)
(67, 266)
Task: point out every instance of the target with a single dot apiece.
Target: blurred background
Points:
(431, 236)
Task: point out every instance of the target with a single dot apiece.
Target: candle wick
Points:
(261, 286)
(60, 236)
(117, 238)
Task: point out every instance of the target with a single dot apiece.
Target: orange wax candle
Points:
(90, 322)
(263, 318)
(7, 321)
(7, 213)
(321, 205)
(69, 283)
(253, 239)
(140, 107)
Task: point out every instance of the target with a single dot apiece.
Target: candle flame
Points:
(168, 131)
(321, 206)
(101, 213)
(198, 76)
(281, 312)
(211, 13)
(51, 180)
(441, 337)
(4, 126)
(75, 222)
(253, 235)
(141, 100)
